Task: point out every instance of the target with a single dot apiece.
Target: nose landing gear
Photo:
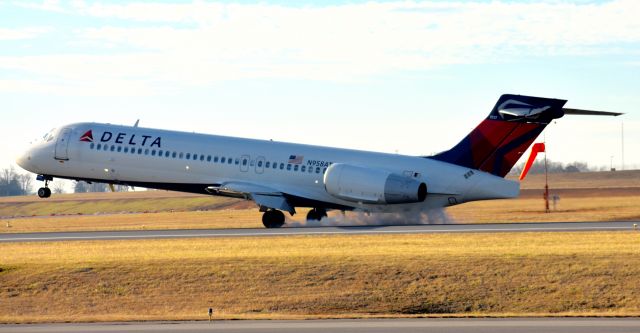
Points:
(44, 192)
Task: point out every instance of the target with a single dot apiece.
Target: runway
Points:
(360, 230)
(522, 325)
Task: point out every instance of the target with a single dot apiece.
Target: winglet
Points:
(136, 124)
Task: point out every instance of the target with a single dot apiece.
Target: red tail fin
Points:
(500, 140)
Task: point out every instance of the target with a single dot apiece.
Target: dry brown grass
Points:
(219, 219)
(322, 276)
(114, 203)
(590, 180)
(569, 209)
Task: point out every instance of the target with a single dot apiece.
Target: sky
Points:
(412, 77)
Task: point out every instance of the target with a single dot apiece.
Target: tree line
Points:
(556, 167)
(13, 183)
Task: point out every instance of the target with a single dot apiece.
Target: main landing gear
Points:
(316, 214)
(273, 218)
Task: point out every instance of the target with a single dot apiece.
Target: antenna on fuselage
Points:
(136, 124)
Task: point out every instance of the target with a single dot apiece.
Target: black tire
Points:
(273, 219)
(316, 214)
(48, 190)
(42, 192)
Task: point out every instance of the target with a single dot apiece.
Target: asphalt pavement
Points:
(355, 230)
(507, 325)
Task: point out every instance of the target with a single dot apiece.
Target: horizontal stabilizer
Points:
(590, 112)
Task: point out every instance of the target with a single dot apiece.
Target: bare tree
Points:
(10, 182)
(122, 188)
(80, 187)
(58, 188)
(26, 182)
(98, 187)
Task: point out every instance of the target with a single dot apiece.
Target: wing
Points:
(263, 196)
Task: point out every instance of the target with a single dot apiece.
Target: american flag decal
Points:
(296, 159)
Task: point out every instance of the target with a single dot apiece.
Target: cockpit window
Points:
(49, 136)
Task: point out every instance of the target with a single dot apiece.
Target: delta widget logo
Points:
(87, 137)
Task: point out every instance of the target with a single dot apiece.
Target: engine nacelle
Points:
(372, 186)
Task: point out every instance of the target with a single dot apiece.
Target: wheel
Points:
(44, 192)
(316, 214)
(273, 219)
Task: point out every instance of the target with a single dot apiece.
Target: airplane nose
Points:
(24, 159)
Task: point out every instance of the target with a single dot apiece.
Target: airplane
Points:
(280, 177)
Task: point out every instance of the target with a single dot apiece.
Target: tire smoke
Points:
(360, 218)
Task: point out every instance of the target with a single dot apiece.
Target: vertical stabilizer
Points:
(499, 141)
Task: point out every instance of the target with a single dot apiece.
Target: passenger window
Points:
(113, 148)
(303, 168)
(317, 169)
(126, 149)
(281, 166)
(195, 157)
(174, 154)
(222, 160)
(106, 147)
(259, 164)
(99, 146)
(244, 161)
(201, 157)
(133, 150)
(230, 160)
(153, 152)
(146, 151)
(167, 153)
(288, 167)
(181, 155)
(188, 156)
(295, 168)
(237, 160)
(215, 159)
(208, 158)
(310, 169)
(119, 149)
(267, 165)
(139, 151)
(275, 165)
(92, 145)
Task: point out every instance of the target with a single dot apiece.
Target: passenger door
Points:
(62, 145)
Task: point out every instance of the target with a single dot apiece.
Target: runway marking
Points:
(306, 231)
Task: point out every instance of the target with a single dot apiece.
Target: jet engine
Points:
(372, 186)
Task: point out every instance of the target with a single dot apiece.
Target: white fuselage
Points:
(165, 159)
